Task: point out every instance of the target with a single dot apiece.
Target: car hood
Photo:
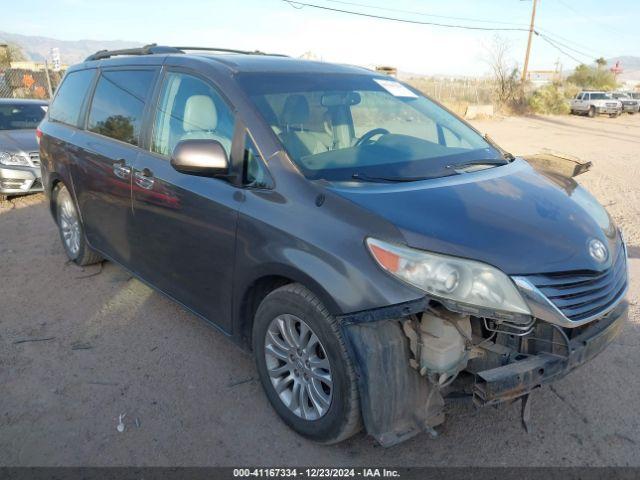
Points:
(17, 141)
(513, 217)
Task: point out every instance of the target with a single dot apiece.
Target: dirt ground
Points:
(110, 345)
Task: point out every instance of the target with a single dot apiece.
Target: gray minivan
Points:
(374, 251)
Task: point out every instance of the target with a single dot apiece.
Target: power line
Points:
(550, 42)
(557, 38)
(548, 37)
(565, 42)
(602, 25)
(583, 54)
(423, 14)
(298, 5)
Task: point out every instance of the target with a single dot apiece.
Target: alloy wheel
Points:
(69, 224)
(298, 367)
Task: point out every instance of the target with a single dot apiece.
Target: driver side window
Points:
(190, 108)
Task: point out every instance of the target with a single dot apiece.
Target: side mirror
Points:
(203, 157)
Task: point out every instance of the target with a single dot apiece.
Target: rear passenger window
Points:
(118, 104)
(68, 101)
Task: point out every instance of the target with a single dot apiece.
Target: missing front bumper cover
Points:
(518, 378)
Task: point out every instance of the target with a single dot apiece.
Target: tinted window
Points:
(118, 104)
(15, 116)
(190, 108)
(68, 101)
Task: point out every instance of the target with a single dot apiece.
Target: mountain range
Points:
(38, 49)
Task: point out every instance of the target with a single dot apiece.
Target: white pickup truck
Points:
(593, 103)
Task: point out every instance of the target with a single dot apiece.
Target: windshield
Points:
(344, 126)
(17, 116)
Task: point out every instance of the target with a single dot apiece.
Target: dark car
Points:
(375, 252)
(19, 156)
(629, 103)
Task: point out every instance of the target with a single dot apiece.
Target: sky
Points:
(593, 28)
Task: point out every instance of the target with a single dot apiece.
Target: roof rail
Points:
(229, 50)
(154, 48)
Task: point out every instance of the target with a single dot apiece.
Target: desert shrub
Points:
(551, 99)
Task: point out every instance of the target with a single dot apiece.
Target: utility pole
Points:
(531, 30)
(46, 71)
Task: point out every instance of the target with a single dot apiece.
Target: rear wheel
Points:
(71, 231)
(3, 198)
(592, 112)
(304, 367)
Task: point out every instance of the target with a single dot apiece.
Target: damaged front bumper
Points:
(525, 372)
(399, 402)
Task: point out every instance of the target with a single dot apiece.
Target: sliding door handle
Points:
(121, 169)
(144, 178)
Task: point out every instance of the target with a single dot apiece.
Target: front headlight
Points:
(466, 283)
(7, 158)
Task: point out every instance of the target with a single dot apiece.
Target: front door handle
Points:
(121, 169)
(144, 178)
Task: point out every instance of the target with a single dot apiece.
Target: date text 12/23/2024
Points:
(315, 473)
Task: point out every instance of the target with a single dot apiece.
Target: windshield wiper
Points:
(367, 178)
(506, 155)
(492, 161)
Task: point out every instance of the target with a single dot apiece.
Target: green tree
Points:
(597, 77)
(118, 127)
(10, 52)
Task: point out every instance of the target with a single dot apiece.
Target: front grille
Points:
(612, 104)
(35, 158)
(580, 295)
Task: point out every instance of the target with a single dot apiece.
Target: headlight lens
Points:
(465, 282)
(7, 158)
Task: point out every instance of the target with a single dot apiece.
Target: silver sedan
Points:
(19, 155)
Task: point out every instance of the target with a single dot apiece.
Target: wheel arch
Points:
(257, 287)
(55, 181)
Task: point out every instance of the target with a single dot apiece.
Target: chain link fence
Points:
(37, 83)
(457, 93)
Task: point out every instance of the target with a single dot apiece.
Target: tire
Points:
(71, 230)
(3, 198)
(592, 112)
(294, 303)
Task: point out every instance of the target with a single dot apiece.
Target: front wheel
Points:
(592, 112)
(304, 366)
(71, 231)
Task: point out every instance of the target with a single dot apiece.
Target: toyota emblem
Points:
(598, 250)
